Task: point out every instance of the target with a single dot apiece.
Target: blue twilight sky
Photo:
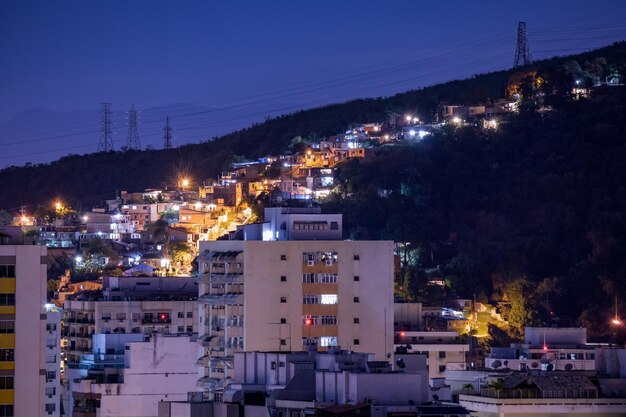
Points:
(217, 66)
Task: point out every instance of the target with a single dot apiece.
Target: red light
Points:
(545, 348)
(402, 334)
(308, 322)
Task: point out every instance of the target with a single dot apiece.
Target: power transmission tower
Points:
(106, 136)
(167, 134)
(522, 52)
(132, 141)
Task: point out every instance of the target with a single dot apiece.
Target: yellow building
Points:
(27, 365)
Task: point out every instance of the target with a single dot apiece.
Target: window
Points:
(283, 278)
(273, 365)
(442, 368)
(329, 298)
(181, 329)
(51, 391)
(7, 355)
(334, 226)
(7, 271)
(357, 257)
(50, 327)
(329, 320)
(283, 299)
(106, 316)
(181, 315)
(163, 317)
(120, 316)
(310, 320)
(356, 342)
(283, 320)
(50, 408)
(6, 410)
(135, 316)
(189, 329)
(190, 314)
(356, 299)
(356, 320)
(51, 375)
(310, 299)
(283, 257)
(326, 341)
(283, 342)
(7, 326)
(6, 382)
(357, 278)
(442, 355)
(7, 299)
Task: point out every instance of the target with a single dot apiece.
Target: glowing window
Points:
(329, 299)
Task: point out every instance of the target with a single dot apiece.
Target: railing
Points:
(534, 393)
(155, 321)
(81, 320)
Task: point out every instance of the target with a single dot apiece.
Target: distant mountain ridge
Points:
(89, 179)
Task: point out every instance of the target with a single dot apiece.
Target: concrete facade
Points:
(29, 360)
(290, 296)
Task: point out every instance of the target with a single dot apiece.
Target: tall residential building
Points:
(29, 363)
(292, 295)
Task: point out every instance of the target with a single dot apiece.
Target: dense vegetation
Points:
(535, 209)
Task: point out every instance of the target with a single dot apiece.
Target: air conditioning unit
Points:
(329, 263)
(310, 263)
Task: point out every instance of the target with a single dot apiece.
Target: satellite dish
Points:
(550, 367)
(506, 363)
(435, 397)
(496, 364)
(569, 366)
(534, 365)
(400, 363)
(408, 347)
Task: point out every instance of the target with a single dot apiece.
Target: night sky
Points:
(217, 66)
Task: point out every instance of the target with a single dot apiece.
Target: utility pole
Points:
(132, 141)
(167, 134)
(106, 134)
(522, 52)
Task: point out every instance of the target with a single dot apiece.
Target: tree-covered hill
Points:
(541, 203)
(94, 177)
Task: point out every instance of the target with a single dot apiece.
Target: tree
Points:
(521, 293)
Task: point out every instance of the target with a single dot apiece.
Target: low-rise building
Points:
(129, 375)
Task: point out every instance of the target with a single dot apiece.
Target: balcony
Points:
(155, 321)
(80, 320)
(84, 412)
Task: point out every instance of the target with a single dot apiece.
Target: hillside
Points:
(91, 178)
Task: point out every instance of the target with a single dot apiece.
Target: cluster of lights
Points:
(410, 119)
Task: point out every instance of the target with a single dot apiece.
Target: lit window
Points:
(326, 341)
(329, 299)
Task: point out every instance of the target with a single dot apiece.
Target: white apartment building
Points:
(28, 371)
(292, 296)
(131, 381)
(443, 350)
(548, 349)
(138, 305)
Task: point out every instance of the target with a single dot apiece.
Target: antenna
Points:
(167, 134)
(522, 52)
(132, 141)
(106, 139)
